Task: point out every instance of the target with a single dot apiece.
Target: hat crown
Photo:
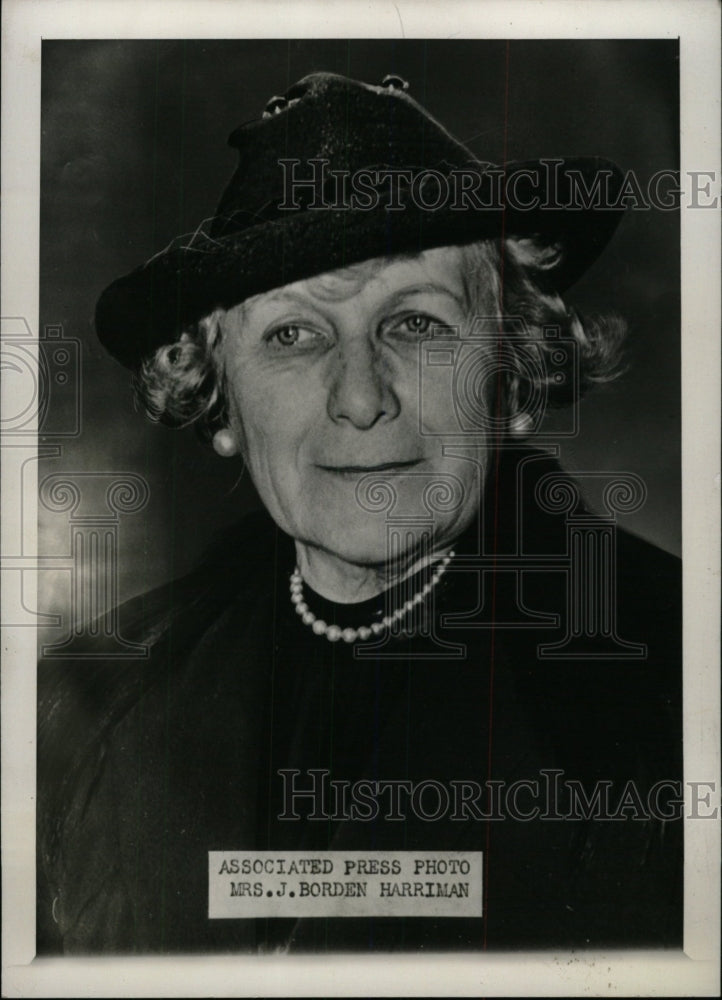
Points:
(351, 125)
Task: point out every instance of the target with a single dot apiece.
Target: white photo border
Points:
(691, 972)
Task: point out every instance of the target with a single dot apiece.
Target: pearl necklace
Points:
(334, 632)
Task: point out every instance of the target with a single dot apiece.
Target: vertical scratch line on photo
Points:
(492, 644)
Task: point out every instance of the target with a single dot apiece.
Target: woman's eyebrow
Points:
(290, 295)
(283, 295)
(427, 287)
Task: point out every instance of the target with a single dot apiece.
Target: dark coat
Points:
(145, 766)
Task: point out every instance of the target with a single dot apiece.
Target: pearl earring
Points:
(520, 425)
(225, 443)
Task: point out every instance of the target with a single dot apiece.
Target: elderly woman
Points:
(373, 324)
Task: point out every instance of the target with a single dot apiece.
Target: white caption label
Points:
(344, 884)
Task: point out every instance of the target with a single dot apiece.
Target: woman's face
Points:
(342, 396)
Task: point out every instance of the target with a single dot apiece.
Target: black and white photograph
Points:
(358, 445)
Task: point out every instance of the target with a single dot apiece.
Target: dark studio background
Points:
(134, 153)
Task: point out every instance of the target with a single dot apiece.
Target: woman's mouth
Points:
(362, 470)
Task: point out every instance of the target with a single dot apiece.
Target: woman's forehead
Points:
(442, 267)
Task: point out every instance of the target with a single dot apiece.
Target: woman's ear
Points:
(225, 443)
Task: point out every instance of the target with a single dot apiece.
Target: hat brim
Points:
(153, 304)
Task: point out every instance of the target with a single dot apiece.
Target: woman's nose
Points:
(361, 390)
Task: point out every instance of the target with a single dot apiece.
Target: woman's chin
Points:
(371, 546)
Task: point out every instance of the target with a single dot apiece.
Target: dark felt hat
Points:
(336, 172)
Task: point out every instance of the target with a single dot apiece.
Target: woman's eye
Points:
(292, 335)
(416, 325)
